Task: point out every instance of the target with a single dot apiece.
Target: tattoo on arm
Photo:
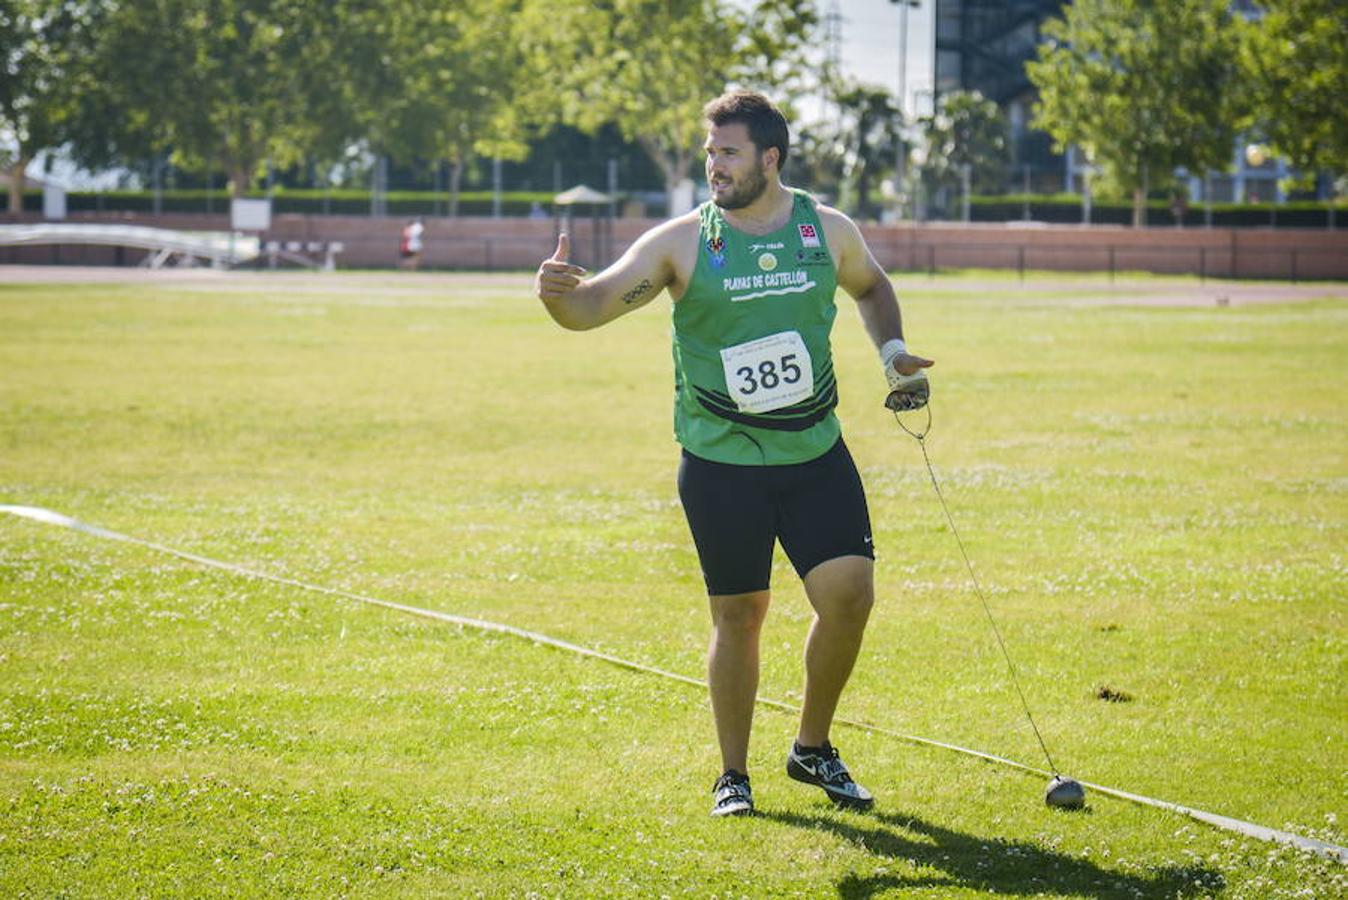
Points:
(637, 292)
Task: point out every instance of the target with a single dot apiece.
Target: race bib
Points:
(768, 373)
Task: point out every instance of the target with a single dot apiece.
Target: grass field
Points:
(1155, 499)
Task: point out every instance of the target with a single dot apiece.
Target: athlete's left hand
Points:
(908, 364)
(908, 386)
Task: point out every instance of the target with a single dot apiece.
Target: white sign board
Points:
(250, 215)
(53, 202)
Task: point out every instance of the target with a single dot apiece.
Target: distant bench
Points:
(304, 253)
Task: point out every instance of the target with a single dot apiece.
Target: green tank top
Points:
(753, 370)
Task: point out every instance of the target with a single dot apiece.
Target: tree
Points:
(229, 83)
(44, 47)
(870, 139)
(649, 66)
(447, 84)
(1296, 61)
(1143, 87)
(966, 129)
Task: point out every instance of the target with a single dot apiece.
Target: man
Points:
(752, 274)
(411, 245)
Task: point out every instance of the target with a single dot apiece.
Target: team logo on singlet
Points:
(808, 236)
(767, 262)
(716, 252)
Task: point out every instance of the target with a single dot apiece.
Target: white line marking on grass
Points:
(1249, 829)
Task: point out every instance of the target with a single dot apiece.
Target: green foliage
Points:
(302, 201)
(42, 43)
(242, 85)
(441, 84)
(967, 129)
(228, 83)
(649, 66)
(44, 51)
(1142, 87)
(872, 127)
(646, 65)
(1296, 61)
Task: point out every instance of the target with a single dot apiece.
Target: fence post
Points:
(157, 182)
(378, 185)
(1202, 265)
(1295, 253)
(931, 260)
(1207, 199)
(1086, 199)
(496, 187)
(486, 252)
(966, 180)
(1020, 262)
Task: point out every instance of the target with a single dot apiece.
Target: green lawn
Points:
(1155, 499)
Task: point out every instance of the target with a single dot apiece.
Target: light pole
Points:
(901, 151)
(904, 6)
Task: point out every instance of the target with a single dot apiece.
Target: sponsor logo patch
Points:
(767, 262)
(813, 258)
(775, 245)
(808, 236)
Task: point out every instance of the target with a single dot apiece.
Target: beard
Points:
(743, 193)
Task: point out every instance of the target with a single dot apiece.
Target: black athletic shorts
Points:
(817, 509)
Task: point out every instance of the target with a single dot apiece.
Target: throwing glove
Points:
(906, 392)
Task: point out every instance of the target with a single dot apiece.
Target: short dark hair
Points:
(766, 124)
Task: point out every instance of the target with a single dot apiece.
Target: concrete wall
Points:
(485, 243)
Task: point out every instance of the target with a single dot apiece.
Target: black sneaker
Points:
(821, 766)
(733, 796)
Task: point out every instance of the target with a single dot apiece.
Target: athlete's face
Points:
(736, 173)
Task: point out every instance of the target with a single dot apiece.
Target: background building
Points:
(983, 45)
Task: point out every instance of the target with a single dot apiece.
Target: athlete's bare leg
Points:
(732, 671)
(842, 592)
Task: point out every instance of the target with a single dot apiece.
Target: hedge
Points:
(399, 204)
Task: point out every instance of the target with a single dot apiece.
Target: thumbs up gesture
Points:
(557, 277)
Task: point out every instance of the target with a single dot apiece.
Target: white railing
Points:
(166, 247)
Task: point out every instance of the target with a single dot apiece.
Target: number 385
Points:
(768, 375)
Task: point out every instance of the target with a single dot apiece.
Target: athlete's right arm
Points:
(578, 303)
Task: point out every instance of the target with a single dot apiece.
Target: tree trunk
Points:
(455, 177)
(1139, 207)
(239, 180)
(673, 166)
(16, 184)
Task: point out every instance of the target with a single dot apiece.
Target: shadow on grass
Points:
(1013, 868)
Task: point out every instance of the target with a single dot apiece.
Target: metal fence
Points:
(1289, 264)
